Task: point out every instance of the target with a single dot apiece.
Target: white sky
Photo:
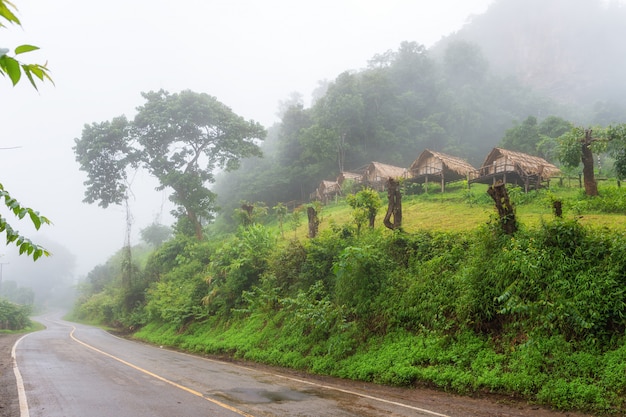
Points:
(250, 54)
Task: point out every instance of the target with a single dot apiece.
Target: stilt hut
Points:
(349, 176)
(439, 167)
(376, 174)
(518, 168)
(327, 190)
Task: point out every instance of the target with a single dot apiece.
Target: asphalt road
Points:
(75, 370)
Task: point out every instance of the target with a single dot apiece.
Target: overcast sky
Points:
(249, 54)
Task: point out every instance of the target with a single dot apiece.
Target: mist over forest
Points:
(519, 59)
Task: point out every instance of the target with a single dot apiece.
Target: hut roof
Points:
(349, 176)
(529, 164)
(451, 163)
(385, 171)
(329, 186)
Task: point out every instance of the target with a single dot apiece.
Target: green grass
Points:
(34, 327)
(460, 210)
(548, 301)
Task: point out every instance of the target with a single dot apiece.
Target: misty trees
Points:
(180, 139)
(534, 137)
(14, 68)
(155, 234)
(406, 100)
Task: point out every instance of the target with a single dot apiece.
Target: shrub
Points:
(13, 316)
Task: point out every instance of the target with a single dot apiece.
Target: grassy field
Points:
(538, 316)
(459, 209)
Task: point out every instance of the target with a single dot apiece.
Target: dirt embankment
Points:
(9, 404)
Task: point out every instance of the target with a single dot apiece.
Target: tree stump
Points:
(591, 187)
(314, 221)
(505, 209)
(557, 207)
(395, 205)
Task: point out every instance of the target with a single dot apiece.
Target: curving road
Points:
(76, 370)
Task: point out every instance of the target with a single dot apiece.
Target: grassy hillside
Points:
(459, 209)
(452, 303)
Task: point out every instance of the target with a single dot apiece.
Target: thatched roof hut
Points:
(376, 174)
(327, 190)
(517, 168)
(351, 176)
(439, 167)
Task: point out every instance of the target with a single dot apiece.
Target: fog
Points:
(248, 54)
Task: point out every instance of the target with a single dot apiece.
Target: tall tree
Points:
(180, 139)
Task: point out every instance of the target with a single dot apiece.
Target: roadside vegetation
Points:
(14, 316)
(450, 302)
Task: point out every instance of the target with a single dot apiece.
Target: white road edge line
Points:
(21, 392)
(315, 384)
(160, 378)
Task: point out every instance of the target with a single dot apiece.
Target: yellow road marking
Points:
(160, 378)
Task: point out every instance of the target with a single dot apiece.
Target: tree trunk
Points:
(372, 218)
(505, 208)
(591, 187)
(197, 226)
(395, 205)
(314, 221)
(557, 206)
(248, 209)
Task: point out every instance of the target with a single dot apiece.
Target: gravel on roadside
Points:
(9, 403)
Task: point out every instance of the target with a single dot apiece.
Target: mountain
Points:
(571, 51)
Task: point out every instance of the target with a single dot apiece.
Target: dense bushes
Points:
(14, 316)
(540, 315)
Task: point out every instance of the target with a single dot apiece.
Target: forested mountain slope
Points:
(403, 103)
(570, 51)
(518, 59)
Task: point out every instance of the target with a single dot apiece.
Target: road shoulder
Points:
(9, 402)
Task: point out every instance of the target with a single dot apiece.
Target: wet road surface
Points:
(76, 370)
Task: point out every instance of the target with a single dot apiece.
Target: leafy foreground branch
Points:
(13, 236)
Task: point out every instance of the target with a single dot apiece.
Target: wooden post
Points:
(557, 206)
(394, 207)
(505, 209)
(314, 221)
(591, 187)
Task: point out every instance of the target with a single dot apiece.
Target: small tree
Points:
(281, 212)
(296, 219)
(578, 145)
(155, 234)
(249, 213)
(365, 205)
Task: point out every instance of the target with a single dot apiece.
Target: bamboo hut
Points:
(351, 176)
(516, 168)
(439, 167)
(327, 190)
(376, 174)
